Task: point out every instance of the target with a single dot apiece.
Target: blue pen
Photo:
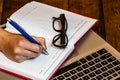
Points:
(24, 33)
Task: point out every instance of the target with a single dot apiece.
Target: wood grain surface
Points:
(106, 11)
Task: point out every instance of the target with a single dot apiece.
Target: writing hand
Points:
(17, 48)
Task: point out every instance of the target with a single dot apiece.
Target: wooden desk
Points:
(106, 11)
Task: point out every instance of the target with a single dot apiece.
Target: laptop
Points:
(93, 59)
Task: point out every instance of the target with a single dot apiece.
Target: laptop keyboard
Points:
(100, 65)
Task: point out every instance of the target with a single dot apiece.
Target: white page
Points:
(37, 20)
(41, 66)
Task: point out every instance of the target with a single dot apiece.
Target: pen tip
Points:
(45, 52)
(8, 19)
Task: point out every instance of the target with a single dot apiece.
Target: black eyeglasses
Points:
(60, 40)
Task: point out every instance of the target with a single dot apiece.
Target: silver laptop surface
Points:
(93, 59)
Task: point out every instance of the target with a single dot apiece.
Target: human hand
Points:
(18, 49)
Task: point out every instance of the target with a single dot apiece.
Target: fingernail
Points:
(44, 47)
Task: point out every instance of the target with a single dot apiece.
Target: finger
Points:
(28, 53)
(41, 40)
(20, 58)
(30, 46)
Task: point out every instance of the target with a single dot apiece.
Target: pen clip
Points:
(9, 20)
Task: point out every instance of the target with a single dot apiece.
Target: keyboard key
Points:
(102, 51)
(80, 74)
(111, 71)
(116, 62)
(79, 68)
(105, 56)
(109, 77)
(98, 72)
(83, 60)
(92, 68)
(109, 66)
(61, 77)
(86, 77)
(89, 58)
(91, 63)
(98, 65)
(86, 71)
(67, 74)
(92, 74)
(117, 68)
(97, 60)
(105, 74)
(115, 75)
(103, 68)
(104, 62)
(85, 66)
(69, 67)
(74, 77)
(94, 55)
(99, 77)
(72, 71)
(111, 59)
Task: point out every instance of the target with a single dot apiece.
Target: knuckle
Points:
(37, 48)
(17, 59)
(34, 55)
(42, 38)
(16, 51)
(20, 42)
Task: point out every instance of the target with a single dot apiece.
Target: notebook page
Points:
(42, 66)
(36, 19)
(32, 22)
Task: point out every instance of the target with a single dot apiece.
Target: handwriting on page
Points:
(44, 61)
(47, 61)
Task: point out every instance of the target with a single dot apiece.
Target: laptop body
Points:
(90, 43)
(87, 46)
(107, 64)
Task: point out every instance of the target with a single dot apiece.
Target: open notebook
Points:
(36, 19)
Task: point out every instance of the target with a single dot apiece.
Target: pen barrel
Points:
(22, 31)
